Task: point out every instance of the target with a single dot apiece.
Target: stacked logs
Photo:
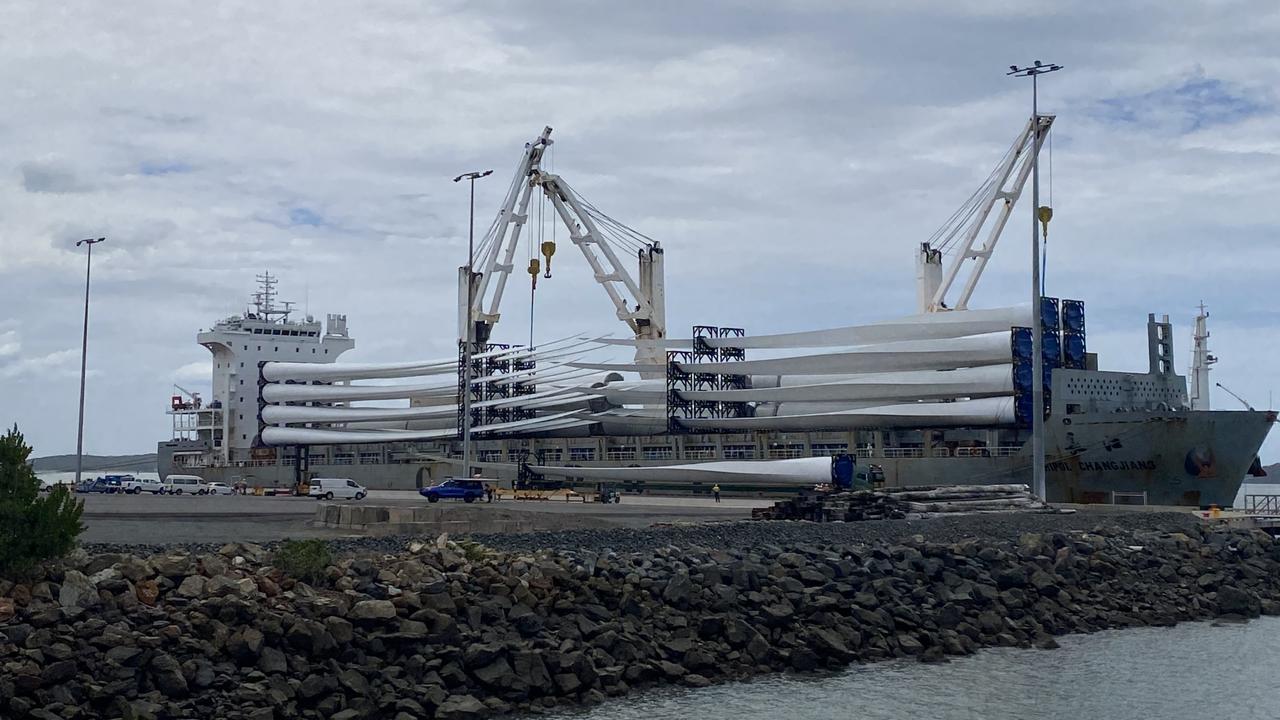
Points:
(899, 503)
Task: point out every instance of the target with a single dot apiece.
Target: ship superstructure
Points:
(225, 430)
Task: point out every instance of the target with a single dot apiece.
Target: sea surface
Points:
(1188, 672)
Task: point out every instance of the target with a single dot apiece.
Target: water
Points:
(1189, 672)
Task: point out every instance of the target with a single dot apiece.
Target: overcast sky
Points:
(789, 155)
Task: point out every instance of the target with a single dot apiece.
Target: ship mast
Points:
(1201, 359)
(264, 301)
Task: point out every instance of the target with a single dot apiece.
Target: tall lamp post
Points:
(84, 353)
(1037, 344)
(469, 332)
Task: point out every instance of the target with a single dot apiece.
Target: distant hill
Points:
(1273, 473)
(96, 463)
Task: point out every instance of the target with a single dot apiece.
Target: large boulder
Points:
(172, 566)
(166, 675)
(147, 592)
(223, 585)
(1234, 601)
(354, 682)
(679, 589)
(192, 586)
(340, 630)
(246, 644)
(272, 661)
(372, 610)
(461, 707)
(498, 674)
(77, 593)
(530, 668)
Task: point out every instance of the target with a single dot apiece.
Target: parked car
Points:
(218, 488)
(339, 488)
(191, 484)
(454, 488)
(133, 486)
(46, 484)
(103, 485)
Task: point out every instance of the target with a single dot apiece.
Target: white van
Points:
(132, 485)
(339, 488)
(185, 484)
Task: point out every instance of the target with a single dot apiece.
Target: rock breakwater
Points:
(448, 630)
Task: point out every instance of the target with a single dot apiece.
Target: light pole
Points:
(469, 331)
(1037, 345)
(84, 354)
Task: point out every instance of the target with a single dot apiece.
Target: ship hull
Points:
(1189, 458)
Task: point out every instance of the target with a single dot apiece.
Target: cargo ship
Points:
(939, 397)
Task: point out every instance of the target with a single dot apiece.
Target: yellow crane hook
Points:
(534, 268)
(548, 249)
(1045, 213)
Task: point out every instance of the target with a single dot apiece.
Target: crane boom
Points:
(638, 303)
(960, 234)
(1242, 400)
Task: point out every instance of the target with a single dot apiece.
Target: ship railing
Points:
(865, 452)
(903, 452)
(1262, 504)
(1128, 497)
(254, 463)
(940, 452)
(997, 451)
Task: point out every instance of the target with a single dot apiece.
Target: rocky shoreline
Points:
(462, 630)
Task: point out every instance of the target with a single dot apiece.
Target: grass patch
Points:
(304, 560)
(474, 551)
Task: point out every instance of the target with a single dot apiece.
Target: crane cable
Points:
(944, 238)
(533, 269)
(1044, 256)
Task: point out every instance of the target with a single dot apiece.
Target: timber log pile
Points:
(899, 503)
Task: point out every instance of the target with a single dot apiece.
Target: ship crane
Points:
(959, 236)
(179, 404)
(638, 300)
(1242, 400)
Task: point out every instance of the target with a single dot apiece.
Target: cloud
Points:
(10, 343)
(1189, 104)
(60, 363)
(305, 216)
(160, 167)
(51, 175)
(193, 371)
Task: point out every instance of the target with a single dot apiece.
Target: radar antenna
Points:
(264, 300)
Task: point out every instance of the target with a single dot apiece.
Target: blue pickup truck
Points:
(454, 488)
(108, 485)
